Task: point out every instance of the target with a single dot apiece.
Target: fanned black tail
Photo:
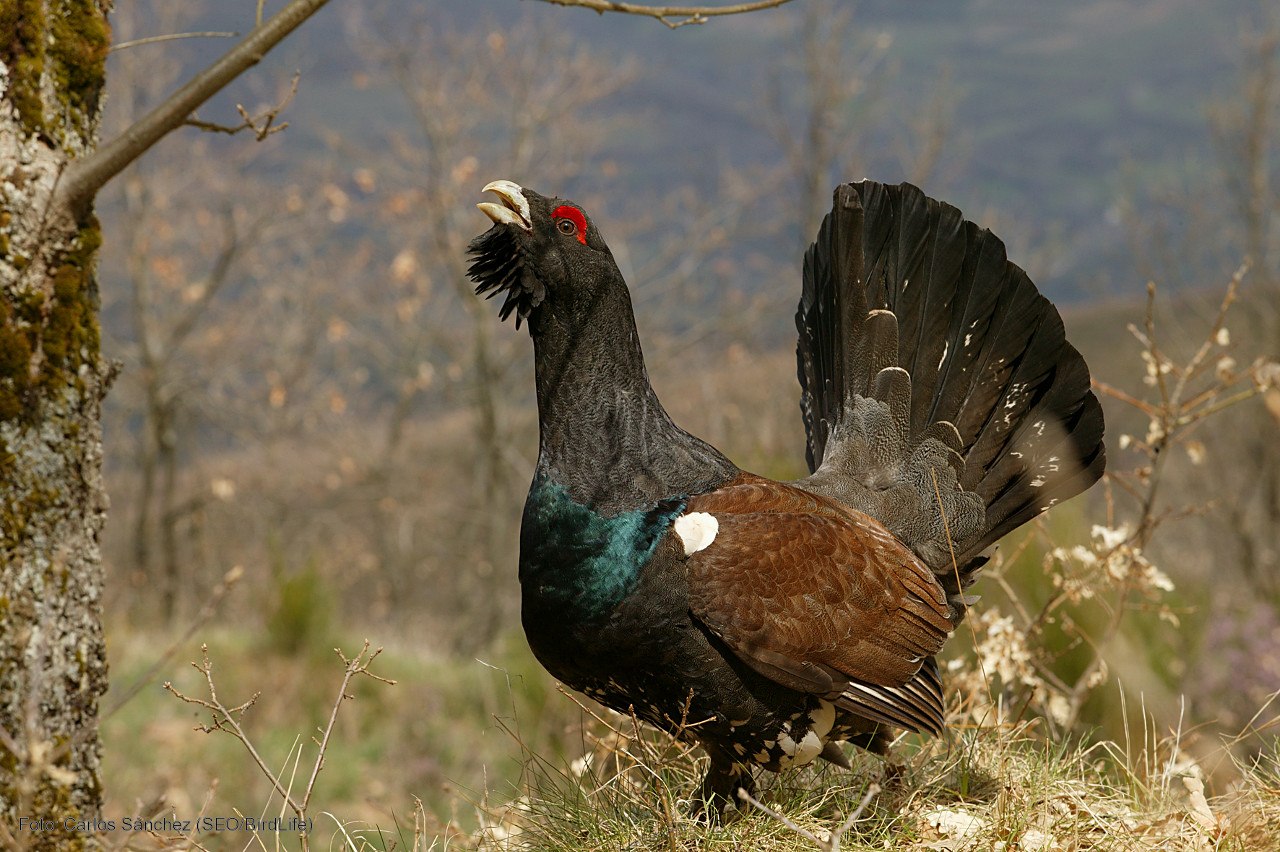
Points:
(933, 373)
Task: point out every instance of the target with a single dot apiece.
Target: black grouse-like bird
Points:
(770, 621)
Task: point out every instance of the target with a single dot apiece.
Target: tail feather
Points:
(984, 278)
(995, 415)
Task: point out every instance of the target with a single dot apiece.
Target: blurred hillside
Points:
(1057, 115)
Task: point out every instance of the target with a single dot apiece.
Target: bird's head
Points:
(540, 250)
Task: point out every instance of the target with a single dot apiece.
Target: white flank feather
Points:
(696, 530)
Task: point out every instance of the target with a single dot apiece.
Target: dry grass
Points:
(991, 787)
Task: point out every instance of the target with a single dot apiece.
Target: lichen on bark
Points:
(55, 61)
(52, 380)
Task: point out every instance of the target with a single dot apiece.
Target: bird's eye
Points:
(570, 222)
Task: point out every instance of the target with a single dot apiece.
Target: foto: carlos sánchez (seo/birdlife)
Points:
(772, 621)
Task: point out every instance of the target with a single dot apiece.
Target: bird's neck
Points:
(603, 434)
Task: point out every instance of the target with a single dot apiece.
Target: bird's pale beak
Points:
(514, 209)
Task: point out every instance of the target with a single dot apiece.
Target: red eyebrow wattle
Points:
(574, 215)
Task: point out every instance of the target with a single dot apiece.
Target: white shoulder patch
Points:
(696, 530)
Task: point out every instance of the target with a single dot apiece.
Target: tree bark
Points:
(53, 667)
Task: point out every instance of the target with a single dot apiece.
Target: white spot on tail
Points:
(696, 530)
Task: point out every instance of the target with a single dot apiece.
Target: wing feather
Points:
(818, 598)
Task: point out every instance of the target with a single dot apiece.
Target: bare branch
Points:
(262, 125)
(125, 45)
(358, 665)
(672, 16)
(228, 719)
(83, 178)
(232, 249)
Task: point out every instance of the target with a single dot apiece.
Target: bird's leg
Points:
(720, 788)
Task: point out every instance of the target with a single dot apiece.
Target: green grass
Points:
(437, 734)
(460, 754)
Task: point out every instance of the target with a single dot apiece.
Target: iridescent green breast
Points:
(582, 563)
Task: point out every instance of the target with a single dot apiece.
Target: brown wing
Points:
(821, 599)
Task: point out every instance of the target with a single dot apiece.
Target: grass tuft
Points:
(1004, 788)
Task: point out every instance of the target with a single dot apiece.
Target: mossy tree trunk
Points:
(53, 666)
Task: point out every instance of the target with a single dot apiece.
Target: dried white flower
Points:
(1098, 676)
(1267, 375)
(1195, 452)
(1157, 579)
(1155, 432)
(1111, 538)
(1150, 361)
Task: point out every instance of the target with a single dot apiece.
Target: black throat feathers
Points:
(603, 434)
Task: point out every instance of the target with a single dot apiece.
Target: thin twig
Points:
(1210, 339)
(358, 665)
(84, 177)
(124, 45)
(1115, 393)
(672, 16)
(262, 125)
(227, 720)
